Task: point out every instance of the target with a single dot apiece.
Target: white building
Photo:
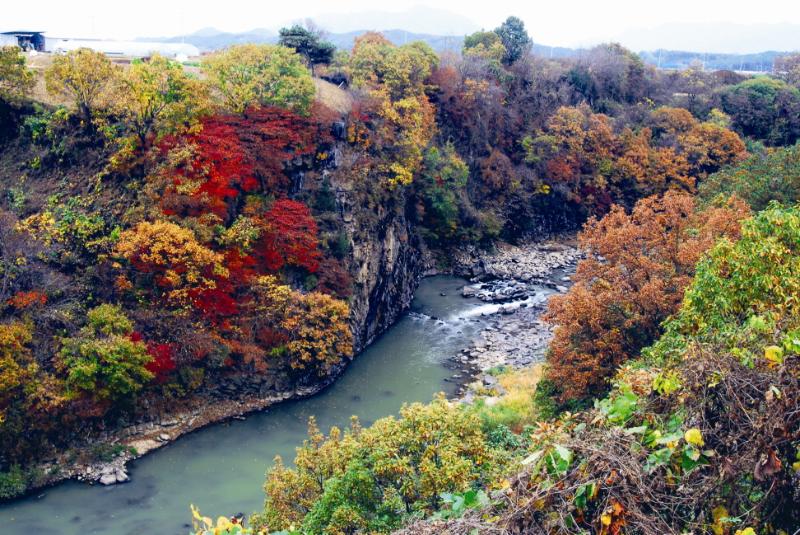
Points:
(136, 49)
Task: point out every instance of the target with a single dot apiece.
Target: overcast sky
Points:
(551, 22)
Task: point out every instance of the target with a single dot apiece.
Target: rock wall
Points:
(387, 261)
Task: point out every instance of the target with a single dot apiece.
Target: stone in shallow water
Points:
(121, 475)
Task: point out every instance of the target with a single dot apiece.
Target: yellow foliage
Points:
(251, 75)
(694, 436)
(158, 96)
(85, 76)
(172, 253)
(774, 354)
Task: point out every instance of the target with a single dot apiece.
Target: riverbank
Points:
(135, 441)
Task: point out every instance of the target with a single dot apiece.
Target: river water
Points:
(221, 468)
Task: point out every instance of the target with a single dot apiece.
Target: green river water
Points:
(221, 468)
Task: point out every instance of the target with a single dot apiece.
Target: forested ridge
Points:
(173, 235)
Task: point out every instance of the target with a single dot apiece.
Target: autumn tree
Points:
(581, 153)
(515, 39)
(232, 155)
(307, 42)
(16, 80)
(84, 76)
(318, 332)
(695, 82)
(102, 362)
(308, 331)
(403, 119)
(204, 172)
(289, 237)
(18, 369)
(159, 97)
(618, 74)
(633, 278)
(30, 397)
(272, 137)
(266, 75)
(402, 70)
(181, 268)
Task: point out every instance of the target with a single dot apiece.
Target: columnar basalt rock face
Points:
(386, 262)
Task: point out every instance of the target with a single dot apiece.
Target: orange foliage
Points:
(581, 151)
(171, 254)
(637, 268)
(23, 300)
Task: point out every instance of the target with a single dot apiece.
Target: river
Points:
(221, 468)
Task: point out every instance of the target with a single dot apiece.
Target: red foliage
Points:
(236, 154)
(23, 300)
(633, 278)
(272, 137)
(163, 357)
(220, 162)
(289, 237)
(163, 360)
(216, 304)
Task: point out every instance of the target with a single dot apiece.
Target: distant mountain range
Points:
(209, 39)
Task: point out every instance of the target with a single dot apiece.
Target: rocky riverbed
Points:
(516, 282)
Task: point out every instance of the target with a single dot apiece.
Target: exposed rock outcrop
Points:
(387, 262)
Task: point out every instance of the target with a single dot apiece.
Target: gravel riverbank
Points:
(516, 283)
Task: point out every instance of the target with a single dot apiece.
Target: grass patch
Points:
(517, 407)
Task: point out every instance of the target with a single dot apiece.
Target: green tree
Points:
(444, 177)
(403, 70)
(486, 45)
(481, 38)
(515, 39)
(159, 97)
(84, 76)
(308, 43)
(102, 361)
(15, 78)
(774, 176)
(268, 75)
(742, 290)
(764, 108)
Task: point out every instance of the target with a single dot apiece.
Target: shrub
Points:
(742, 290)
(370, 478)
(103, 362)
(13, 483)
